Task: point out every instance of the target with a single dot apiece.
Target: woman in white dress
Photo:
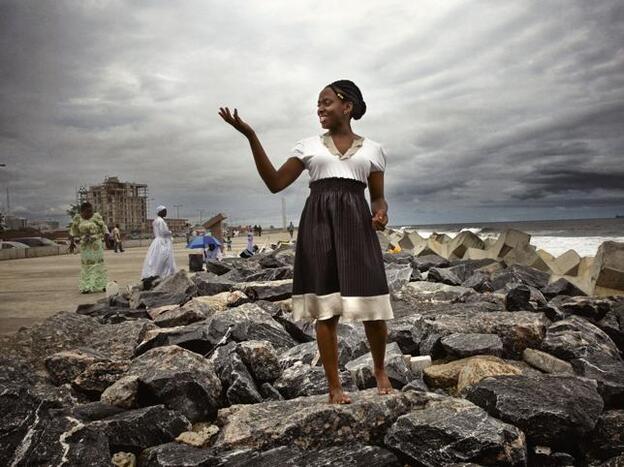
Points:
(160, 260)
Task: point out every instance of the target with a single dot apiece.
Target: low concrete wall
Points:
(39, 251)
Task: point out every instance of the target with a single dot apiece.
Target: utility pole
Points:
(177, 207)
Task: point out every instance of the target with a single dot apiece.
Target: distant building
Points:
(177, 226)
(123, 203)
(44, 226)
(15, 223)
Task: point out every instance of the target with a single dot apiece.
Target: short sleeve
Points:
(378, 162)
(299, 151)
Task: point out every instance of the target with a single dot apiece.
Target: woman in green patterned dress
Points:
(90, 228)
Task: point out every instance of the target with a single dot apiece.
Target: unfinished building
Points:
(122, 203)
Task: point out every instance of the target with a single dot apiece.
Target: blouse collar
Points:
(329, 144)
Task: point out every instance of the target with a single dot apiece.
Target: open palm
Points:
(235, 120)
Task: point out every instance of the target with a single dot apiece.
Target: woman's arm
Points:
(379, 207)
(275, 180)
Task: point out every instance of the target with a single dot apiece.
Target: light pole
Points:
(177, 207)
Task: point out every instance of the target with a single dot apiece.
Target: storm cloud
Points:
(488, 110)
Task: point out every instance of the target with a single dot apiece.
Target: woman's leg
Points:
(377, 332)
(328, 347)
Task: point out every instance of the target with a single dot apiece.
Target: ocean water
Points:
(554, 236)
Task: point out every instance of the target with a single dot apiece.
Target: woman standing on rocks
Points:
(339, 270)
(91, 229)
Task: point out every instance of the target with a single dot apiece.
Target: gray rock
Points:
(122, 393)
(197, 337)
(176, 455)
(400, 330)
(346, 455)
(303, 353)
(591, 308)
(173, 290)
(614, 462)
(311, 423)
(613, 325)
(562, 287)
(272, 274)
(218, 267)
(557, 411)
(591, 353)
(479, 281)
(56, 439)
(397, 275)
(464, 269)
(546, 362)
(181, 380)
(139, 429)
(362, 369)
(454, 430)
(261, 359)
(398, 258)
(465, 345)
(518, 274)
(268, 392)
(210, 284)
(238, 384)
(607, 438)
(250, 322)
(517, 330)
(267, 290)
(64, 366)
(424, 263)
(98, 376)
(518, 298)
(304, 380)
(443, 275)
(179, 316)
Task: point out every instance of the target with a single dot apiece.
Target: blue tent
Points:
(203, 241)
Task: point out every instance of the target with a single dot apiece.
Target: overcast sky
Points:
(488, 110)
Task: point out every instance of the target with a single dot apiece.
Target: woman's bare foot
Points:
(383, 383)
(338, 397)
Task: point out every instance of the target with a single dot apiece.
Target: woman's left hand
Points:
(380, 219)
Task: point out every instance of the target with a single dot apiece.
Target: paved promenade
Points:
(33, 289)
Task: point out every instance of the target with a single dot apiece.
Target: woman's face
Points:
(331, 109)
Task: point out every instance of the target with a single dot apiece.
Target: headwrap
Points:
(347, 91)
(160, 208)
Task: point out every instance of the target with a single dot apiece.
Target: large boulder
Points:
(591, 353)
(266, 290)
(557, 411)
(607, 276)
(305, 380)
(399, 373)
(311, 423)
(517, 330)
(607, 438)
(261, 359)
(451, 431)
(139, 429)
(518, 274)
(179, 379)
(465, 345)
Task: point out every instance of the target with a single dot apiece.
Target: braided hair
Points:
(347, 91)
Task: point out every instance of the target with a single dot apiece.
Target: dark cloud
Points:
(488, 110)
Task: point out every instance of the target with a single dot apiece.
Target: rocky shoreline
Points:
(493, 361)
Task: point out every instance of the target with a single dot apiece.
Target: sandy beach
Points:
(35, 288)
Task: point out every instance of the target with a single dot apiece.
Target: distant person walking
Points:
(90, 229)
(159, 260)
(339, 269)
(291, 229)
(117, 239)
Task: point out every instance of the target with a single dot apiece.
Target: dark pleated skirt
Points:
(339, 267)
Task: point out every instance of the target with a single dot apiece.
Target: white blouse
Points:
(322, 160)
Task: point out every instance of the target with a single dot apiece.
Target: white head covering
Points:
(160, 208)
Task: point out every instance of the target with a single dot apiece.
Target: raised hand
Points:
(380, 219)
(235, 121)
